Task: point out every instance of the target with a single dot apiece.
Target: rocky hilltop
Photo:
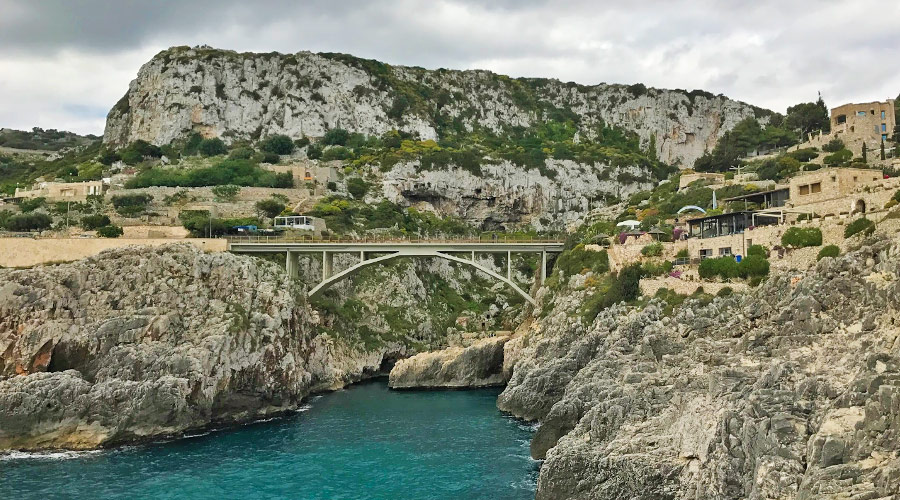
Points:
(790, 391)
(249, 96)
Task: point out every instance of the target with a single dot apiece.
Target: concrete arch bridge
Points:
(375, 252)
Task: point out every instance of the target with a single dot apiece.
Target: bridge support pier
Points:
(292, 264)
(543, 267)
(327, 265)
(362, 256)
(473, 255)
(509, 265)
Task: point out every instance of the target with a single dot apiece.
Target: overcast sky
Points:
(64, 63)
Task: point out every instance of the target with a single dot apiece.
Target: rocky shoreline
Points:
(791, 390)
(138, 342)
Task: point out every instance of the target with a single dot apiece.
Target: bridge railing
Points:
(388, 239)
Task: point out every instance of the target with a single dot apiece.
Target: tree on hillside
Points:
(212, 147)
(271, 208)
(278, 144)
(808, 117)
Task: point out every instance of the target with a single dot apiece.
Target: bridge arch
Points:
(417, 253)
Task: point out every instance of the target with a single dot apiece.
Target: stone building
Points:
(855, 124)
(833, 184)
(63, 191)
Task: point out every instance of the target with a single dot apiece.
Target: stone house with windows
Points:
(63, 191)
(855, 124)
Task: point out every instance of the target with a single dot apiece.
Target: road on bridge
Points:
(372, 251)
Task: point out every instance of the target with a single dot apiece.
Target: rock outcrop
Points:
(477, 365)
(246, 96)
(789, 391)
(141, 342)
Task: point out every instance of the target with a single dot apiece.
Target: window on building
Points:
(884, 127)
(804, 190)
(705, 253)
(815, 188)
(860, 113)
(883, 137)
(833, 178)
(724, 251)
(882, 114)
(854, 178)
(871, 111)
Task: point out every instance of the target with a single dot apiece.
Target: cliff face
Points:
(790, 391)
(144, 342)
(248, 96)
(505, 195)
(141, 342)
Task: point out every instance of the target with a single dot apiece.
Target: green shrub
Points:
(861, 225)
(335, 137)
(833, 146)
(32, 204)
(578, 259)
(91, 222)
(337, 153)
(28, 222)
(302, 142)
(803, 155)
(277, 144)
(238, 172)
(270, 208)
(800, 237)
(652, 250)
(226, 192)
(332, 186)
(657, 268)
(130, 205)
(314, 151)
(727, 267)
(839, 158)
(243, 153)
(725, 291)
(682, 254)
(109, 231)
(357, 187)
(758, 250)
(212, 147)
(622, 287)
(753, 266)
(828, 251)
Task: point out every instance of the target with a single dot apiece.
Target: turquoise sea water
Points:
(365, 442)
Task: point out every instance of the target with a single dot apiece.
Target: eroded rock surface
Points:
(246, 96)
(477, 365)
(791, 391)
(141, 342)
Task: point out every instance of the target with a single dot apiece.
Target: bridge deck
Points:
(273, 244)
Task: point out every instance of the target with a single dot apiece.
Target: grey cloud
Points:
(68, 57)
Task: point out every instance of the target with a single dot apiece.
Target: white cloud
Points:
(63, 66)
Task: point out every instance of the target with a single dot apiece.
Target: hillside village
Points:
(689, 217)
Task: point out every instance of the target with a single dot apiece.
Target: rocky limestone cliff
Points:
(505, 196)
(141, 342)
(241, 96)
(791, 391)
(477, 365)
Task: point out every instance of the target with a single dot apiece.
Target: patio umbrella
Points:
(631, 224)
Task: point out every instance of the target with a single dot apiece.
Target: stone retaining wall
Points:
(649, 286)
(28, 252)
